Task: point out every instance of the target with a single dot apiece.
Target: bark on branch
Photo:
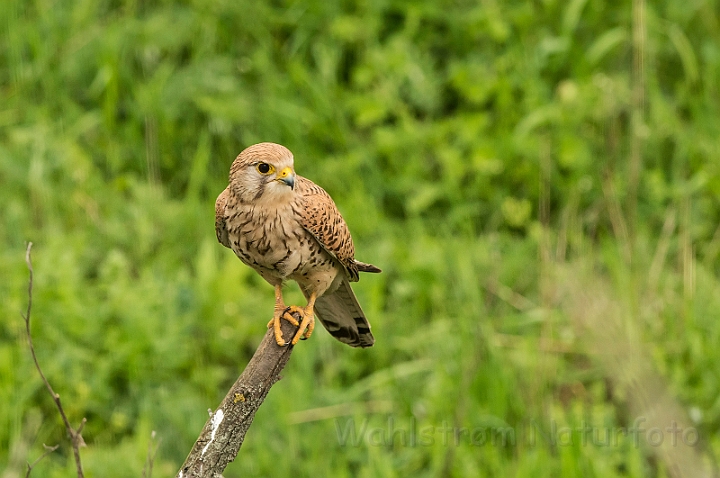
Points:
(223, 434)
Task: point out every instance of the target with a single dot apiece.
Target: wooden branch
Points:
(76, 437)
(224, 432)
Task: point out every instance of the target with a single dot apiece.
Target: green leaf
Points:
(604, 44)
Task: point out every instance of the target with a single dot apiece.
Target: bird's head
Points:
(263, 172)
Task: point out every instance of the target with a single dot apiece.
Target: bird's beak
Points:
(287, 176)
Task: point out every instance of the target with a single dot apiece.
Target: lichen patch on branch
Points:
(215, 423)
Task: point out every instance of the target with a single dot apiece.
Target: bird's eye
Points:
(265, 168)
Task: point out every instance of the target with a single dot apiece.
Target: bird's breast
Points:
(270, 240)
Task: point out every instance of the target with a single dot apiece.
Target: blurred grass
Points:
(479, 152)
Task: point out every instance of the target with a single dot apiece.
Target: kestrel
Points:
(287, 227)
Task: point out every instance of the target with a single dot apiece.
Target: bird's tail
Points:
(342, 316)
(363, 267)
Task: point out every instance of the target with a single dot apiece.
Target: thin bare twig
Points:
(48, 450)
(150, 459)
(75, 434)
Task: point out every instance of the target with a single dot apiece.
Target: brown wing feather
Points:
(220, 229)
(321, 218)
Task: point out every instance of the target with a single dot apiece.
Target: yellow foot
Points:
(306, 326)
(306, 315)
(275, 324)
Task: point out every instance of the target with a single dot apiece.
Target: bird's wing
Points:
(220, 229)
(321, 218)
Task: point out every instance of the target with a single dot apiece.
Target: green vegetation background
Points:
(539, 181)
